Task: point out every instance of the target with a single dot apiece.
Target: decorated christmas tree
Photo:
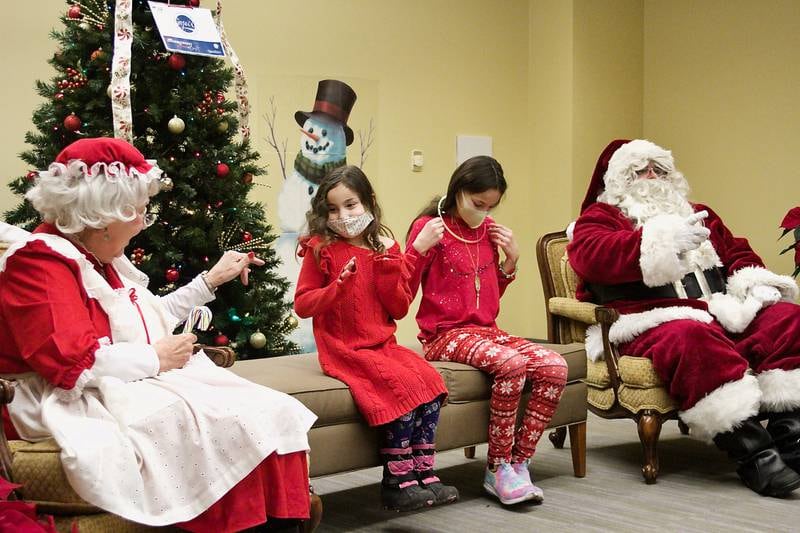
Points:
(178, 112)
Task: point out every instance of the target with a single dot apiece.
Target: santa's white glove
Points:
(766, 294)
(690, 236)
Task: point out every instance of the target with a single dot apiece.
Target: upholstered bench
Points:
(341, 440)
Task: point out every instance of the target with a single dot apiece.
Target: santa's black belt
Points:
(689, 287)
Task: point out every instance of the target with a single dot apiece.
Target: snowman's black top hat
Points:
(335, 100)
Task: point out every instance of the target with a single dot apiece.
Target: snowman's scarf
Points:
(314, 172)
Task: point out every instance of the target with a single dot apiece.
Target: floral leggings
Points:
(409, 445)
(510, 361)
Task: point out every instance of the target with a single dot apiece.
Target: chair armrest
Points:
(223, 356)
(573, 309)
(606, 316)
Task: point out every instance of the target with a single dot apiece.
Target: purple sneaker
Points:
(522, 471)
(505, 485)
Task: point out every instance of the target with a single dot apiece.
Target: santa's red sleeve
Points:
(605, 247)
(45, 313)
(314, 294)
(744, 267)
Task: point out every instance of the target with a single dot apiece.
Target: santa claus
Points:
(722, 331)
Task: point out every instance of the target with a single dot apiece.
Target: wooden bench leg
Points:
(577, 444)
(469, 452)
(315, 515)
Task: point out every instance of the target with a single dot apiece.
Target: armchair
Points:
(619, 386)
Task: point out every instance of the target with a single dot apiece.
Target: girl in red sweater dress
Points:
(354, 283)
(453, 247)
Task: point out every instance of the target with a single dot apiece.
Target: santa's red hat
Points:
(114, 157)
(596, 184)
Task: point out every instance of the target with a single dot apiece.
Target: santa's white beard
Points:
(647, 198)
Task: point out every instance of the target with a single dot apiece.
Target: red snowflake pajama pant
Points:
(510, 361)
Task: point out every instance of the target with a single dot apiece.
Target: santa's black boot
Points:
(760, 466)
(785, 431)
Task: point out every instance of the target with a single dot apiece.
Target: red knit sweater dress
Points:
(354, 328)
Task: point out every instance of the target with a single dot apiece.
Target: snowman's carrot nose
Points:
(315, 137)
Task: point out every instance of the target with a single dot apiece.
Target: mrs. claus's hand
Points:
(231, 265)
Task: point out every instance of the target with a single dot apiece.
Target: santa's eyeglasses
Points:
(657, 171)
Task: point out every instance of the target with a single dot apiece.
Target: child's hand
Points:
(430, 235)
(504, 238)
(348, 270)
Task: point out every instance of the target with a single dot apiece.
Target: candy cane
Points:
(199, 317)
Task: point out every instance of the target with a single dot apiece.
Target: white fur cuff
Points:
(723, 408)
(743, 280)
(658, 254)
(630, 326)
(780, 390)
(733, 314)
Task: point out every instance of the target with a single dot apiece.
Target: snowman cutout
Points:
(324, 138)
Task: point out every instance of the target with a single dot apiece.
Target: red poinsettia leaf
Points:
(792, 218)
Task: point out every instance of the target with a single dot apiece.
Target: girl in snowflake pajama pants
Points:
(510, 361)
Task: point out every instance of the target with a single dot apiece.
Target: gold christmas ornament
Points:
(292, 322)
(258, 340)
(222, 127)
(176, 125)
(166, 183)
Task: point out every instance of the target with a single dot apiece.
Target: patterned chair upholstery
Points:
(619, 386)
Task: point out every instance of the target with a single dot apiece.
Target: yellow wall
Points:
(721, 89)
(552, 81)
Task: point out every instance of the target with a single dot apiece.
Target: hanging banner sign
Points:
(187, 30)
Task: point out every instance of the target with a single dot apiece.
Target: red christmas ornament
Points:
(221, 340)
(74, 12)
(222, 170)
(247, 236)
(97, 55)
(247, 178)
(172, 275)
(30, 176)
(193, 3)
(59, 96)
(72, 122)
(176, 62)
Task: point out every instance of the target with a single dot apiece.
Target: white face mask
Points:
(468, 212)
(350, 227)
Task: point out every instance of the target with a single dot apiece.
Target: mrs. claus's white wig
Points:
(92, 183)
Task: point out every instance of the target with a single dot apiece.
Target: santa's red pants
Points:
(693, 358)
(510, 361)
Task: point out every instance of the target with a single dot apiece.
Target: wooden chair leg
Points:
(315, 514)
(683, 427)
(649, 423)
(558, 436)
(469, 452)
(577, 444)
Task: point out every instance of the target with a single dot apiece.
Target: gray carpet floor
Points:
(697, 491)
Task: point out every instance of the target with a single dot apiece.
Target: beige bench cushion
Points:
(637, 372)
(330, 399)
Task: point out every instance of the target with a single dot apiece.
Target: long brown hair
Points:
(354, 179)
(475, 175)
